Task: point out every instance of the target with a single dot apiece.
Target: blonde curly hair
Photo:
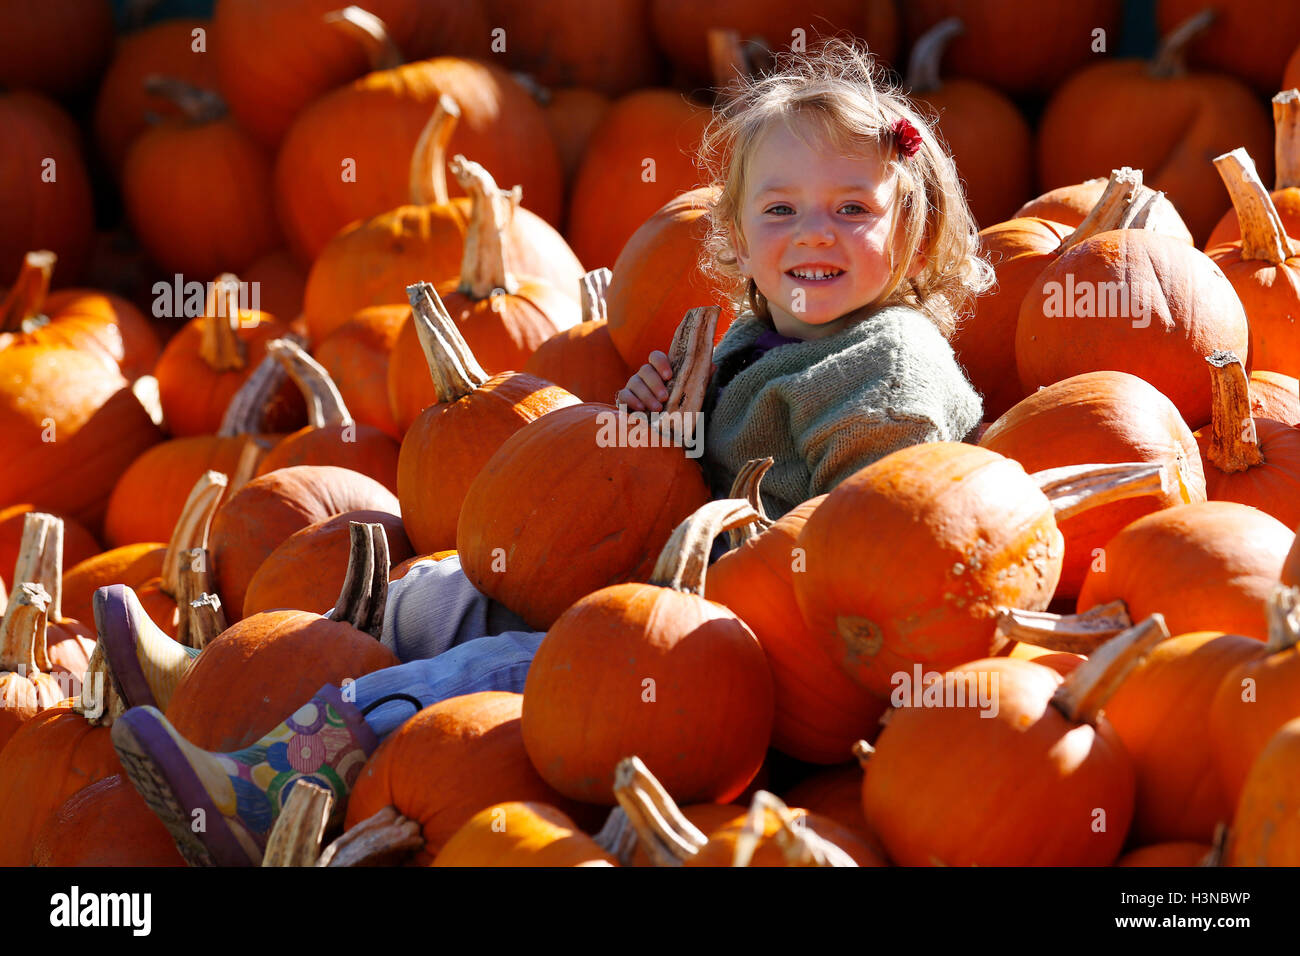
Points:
(856, 107)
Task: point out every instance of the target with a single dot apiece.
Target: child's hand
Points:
(647, 389)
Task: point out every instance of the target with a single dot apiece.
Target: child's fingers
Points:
(626, 398)
(645, 395)
(659, 361)
(653, 382)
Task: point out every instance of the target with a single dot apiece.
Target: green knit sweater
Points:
(825, 408)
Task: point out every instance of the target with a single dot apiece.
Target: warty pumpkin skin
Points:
(372, 261)
(472, 746)
(1157, 116)
(1160, 714)
(654, 670)
(106, 823)
(1256, 698)
(323, 547)
(472, 415)
(521, 834)
(1099, 417)
(97, 426)
(1172, 308)
(377, 121)
(613, 194)
(1204, 566)
(249, 525)
(1264, 829)
(820, 713)
(56, 215)
(268, 81)
(644, 311)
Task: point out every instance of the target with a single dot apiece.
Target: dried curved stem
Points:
(1283, 618)
(1263, 236)
(617, 836)
(1071, 633)
(746, 486)
(100, 702)
(295, 839)
(1121, 191)
(325, 405)
(197, 104)
(244, 413)
(1145, 211)
(452, 365)
(40, 560)
(26, 297)
(428, 179)
(191, 529)
(221, 347)
(799, 844)
(682, 563)
(365, 587)
(1085, 692)
(1234, 445)
(250, 456)
(371, 32)
(386, 839)
(593, 289)
(484, 268)
(663, 831)
(927, 54)
(204, 614)
(1286, 139)
(1171, 55)
(23, 629)
(691, 358)
(1076, 488)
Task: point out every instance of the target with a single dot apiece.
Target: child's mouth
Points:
(815, 275)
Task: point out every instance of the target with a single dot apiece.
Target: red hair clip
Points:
(906, 136)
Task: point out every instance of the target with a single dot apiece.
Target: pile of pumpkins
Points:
(431, 375)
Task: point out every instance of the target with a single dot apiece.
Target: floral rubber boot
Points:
(220, 807)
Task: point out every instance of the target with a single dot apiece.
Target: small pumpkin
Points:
(521, 833)
(582, 359)
(357, 355)
(1071, 204)
(106, 823)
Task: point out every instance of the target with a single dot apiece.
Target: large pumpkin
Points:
(1250, 41)
(1286, 175)
(1264, 829)
(1099, 416)
(472, 415)
(654, 670)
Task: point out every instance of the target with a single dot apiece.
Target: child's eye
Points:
(780, 209)
(853, 209)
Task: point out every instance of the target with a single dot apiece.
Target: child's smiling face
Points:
(811, 212)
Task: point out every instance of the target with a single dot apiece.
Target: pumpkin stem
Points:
(1076, 488)
(1283, 618)
(1263, 236)
(593, 290)
(1146, 207)
(682, 562)
(372, 33)
(1085, 692)
(452, 365)
(1121, 191)
(100, 702)
(23, 628)
(746, 486)
(244, 413)
(190, 532)
(365, 587)
(484, 270)
(386, 839)
(862, 751)
(617, 836)
(799, 845)
(198, 105)
(428, 179)
(250, 456)
(325, 405)
(202, 618)
(22, 305)
(221, 346)
(662, 829)
(923, 65)
(1286, 140)
(40, 560)
(727, 60)
(1233, 446)
(691, 358)
(145, 390)
(1071, 633)
(295, 840)
(1171, 55)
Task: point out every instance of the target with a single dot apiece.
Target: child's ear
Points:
(741, 249)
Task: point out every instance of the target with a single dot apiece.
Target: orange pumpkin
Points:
(1264, 830)
(39, 50)
(357, 354)
(78, 543)
(1071, 204)
(1286, 175)
(582, 359)
(1276, 396)
(1179, 853)
(521, 834)
(106, 823)
(654, 670)
(1250, 41)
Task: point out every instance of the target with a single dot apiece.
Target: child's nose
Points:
(815, 231)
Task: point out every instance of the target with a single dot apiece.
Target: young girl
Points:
(842, 225)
